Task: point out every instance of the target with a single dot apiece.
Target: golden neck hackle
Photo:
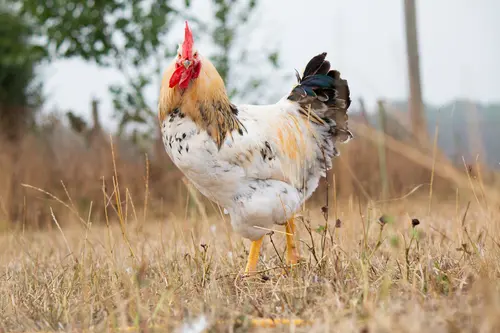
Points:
(205, 102)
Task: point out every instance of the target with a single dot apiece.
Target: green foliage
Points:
(109, 32)
(19, 91)
(18, 58)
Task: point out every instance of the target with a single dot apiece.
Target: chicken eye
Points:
(195, 54)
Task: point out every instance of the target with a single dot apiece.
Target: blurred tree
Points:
(20, 93)
(108, 32)
(77, 123)
(126, 35)
(233, 60)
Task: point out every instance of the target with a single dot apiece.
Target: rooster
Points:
(259, 162)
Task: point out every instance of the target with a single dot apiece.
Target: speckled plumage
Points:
(261, 175)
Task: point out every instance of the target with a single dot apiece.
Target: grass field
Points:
(358, 274)
(108, 263)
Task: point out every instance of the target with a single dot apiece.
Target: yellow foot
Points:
(253, 257)
(292, 254)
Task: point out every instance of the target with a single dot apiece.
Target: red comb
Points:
(187, 46)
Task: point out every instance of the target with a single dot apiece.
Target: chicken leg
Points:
(292, 255)
(253, 256)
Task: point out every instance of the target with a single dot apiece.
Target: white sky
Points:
(459, 50)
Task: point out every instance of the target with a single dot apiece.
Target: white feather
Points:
(262, 177)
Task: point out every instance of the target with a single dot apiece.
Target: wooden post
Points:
(95, 114)
(415, 104)
(362, 108)
(382, 159)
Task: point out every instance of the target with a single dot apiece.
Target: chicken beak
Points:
(186, 63)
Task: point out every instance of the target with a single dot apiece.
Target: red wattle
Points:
(196, 69)
(185, 78)
(176, 77)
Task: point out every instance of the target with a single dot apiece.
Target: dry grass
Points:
(71, 166)
(119, 260)
(46, 164)
(360, 276)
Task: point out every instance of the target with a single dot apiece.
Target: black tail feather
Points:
(315, 64)
(324, 93)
